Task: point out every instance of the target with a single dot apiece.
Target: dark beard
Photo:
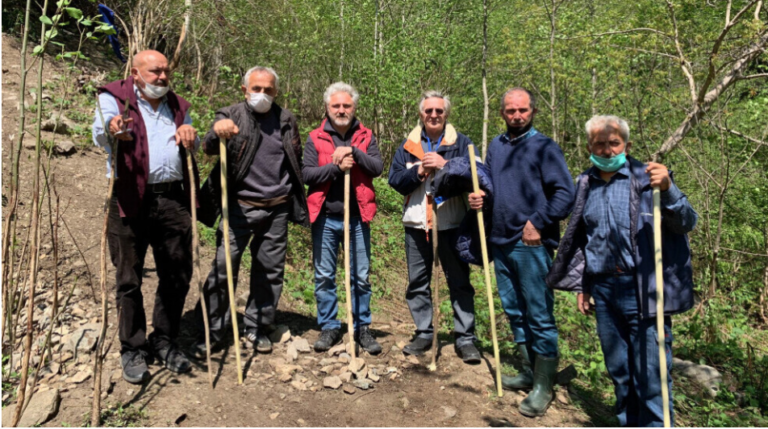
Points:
(518, 131)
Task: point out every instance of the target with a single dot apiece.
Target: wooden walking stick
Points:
(487, 271)
(228, 255)
(436, 292)
(347, 274)
(660, 303)
(196, 260)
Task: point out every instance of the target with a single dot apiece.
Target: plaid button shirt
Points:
(606, 216)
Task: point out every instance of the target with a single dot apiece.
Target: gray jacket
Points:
(241, 150)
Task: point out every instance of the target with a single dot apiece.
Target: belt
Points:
(161, 188)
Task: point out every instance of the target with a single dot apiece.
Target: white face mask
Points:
(153, 91)
(260, 102)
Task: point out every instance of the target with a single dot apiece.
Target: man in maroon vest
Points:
(341, 143)
(150, 207)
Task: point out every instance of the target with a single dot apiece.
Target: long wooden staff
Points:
(347, 274)
(436, 290)
(487, 270)
(196, 260)
(228, 255)
(660, 303)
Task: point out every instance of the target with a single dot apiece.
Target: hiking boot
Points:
(173, 359)
(135, 370)
(364, 337)
(544, 373)
(328, 338)
(258, 342)
(524, 379)
(469, 353)
(418, 346)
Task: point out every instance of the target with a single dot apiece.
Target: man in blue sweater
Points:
(534, 192)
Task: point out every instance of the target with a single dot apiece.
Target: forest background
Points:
(689, 77)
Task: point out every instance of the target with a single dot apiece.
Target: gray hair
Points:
(340, 87)
(435, 94)
(269, 70)
(519, 89)
(601, 122)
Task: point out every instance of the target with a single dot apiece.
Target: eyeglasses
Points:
(438, 111)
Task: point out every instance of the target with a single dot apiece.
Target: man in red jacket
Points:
(341, 143)
(150, 207)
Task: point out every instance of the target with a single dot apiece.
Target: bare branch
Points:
(684, 64)
(745, 137)
(729, 23)
(611, 33)
(753, 76)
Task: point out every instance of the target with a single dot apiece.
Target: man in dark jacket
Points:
(607, 254)
(342, 144)
(150, 207)
(533, 193)
(266, 191)
(427, 150)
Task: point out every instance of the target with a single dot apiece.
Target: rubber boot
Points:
(524, 379)
(544, 373)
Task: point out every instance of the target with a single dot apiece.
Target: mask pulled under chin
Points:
(260, 101)
(609, 165)
(153, 91)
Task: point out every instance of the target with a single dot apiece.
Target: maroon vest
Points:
(132, 157)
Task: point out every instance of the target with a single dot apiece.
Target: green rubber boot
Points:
(523, 380)
(544, 373)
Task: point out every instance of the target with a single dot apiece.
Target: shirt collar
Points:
(505, 137)
(330, 130)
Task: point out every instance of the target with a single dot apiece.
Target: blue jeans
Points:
(631, 349)
(327, 235)
(527, 301)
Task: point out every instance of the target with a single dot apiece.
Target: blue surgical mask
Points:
(609, 165)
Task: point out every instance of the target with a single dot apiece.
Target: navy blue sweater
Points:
(531, 182)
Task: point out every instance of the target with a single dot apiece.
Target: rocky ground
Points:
(293, 386)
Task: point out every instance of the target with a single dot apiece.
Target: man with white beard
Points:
(341, 143)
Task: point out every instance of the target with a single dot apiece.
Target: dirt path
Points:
(405, 395)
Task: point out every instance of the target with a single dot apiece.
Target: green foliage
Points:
(119, 415)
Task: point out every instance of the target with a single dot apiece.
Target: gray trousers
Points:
(269, 229)
(418, 251)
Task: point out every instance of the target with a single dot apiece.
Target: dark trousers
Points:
(418, 251)
(269, 229)
(163, 223)
(631, 350)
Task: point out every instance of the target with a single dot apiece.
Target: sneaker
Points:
(418, 346)
(173, 359)
(364, 337)
(469, 353)
(328, 338)
(258, 342)
(135, 370)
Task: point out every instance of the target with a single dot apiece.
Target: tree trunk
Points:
(484, 72)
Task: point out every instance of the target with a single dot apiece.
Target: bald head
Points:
(150, 67)
(148, 56)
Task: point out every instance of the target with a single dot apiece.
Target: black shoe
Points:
(328, 339)
(418, 346)
(469, 353)
(198, 350)
(258, 342)
(135, 369)
(364, 337)
(173, 359)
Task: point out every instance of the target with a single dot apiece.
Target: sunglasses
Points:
(438, 111)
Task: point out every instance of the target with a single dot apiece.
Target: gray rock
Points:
(450, 412)
(43, 407)
(84, 338)
(65, 147)
(704, 375)
(362, 384)
(301, 345)
(58, 124)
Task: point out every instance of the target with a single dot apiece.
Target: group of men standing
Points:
(605, 255)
